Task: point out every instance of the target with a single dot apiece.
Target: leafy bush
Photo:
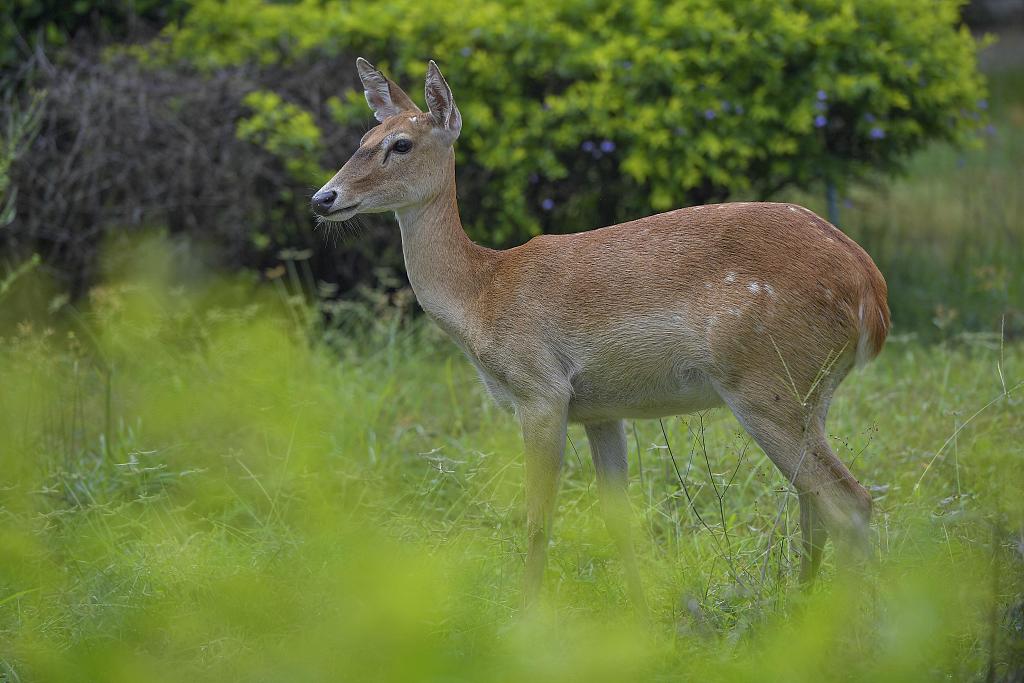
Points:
(580, 113)
(575, 117)
(285, 130)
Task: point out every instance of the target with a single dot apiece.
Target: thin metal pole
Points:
(832, 202)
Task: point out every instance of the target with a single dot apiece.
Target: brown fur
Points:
(764, 307)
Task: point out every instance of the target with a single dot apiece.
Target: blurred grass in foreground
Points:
(191, 489)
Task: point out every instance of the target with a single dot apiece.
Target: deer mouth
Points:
(343, 213)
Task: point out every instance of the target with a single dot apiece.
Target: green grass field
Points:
(199, 481)
(193, 489)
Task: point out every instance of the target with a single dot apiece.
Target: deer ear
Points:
(441, 103)
(384, 97)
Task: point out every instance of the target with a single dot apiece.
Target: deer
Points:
(758, 306)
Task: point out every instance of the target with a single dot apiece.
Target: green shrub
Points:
(581, 113)
(285, 130)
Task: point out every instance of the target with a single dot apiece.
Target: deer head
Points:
(403, 161)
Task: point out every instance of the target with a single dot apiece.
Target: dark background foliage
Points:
(30, 25)
(121, 146)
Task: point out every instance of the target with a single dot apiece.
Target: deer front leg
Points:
(608, 450)
(543, 425)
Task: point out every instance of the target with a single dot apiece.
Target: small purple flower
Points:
(820, 121)
(876, 133)
(990, 129)
(869, 117)
(821, 95)
(726, 106)
(587, 146)
(982, 104)
(627, 65)
(607, 146)
(738, 109)
(847, 203)
(547, 204)
(709, 114)
(961, 162)
(534, 178)
(466, 51)
(821, 106)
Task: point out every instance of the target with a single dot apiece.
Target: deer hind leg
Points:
(544, 426)
(836, 501)
(813, 535)
(792, 435)
(608, 450)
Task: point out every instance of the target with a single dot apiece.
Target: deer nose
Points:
(323, 201)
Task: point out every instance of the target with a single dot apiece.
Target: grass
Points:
(192, 489)
(200, 480)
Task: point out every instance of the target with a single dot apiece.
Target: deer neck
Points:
(447, 270)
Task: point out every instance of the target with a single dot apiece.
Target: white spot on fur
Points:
(730, 277)
(413, 119)
(707, 285)
(754, 287)
(791, 208)
(734, 311)
(769, 290)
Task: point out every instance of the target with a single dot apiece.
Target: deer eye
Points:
(402, 146)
